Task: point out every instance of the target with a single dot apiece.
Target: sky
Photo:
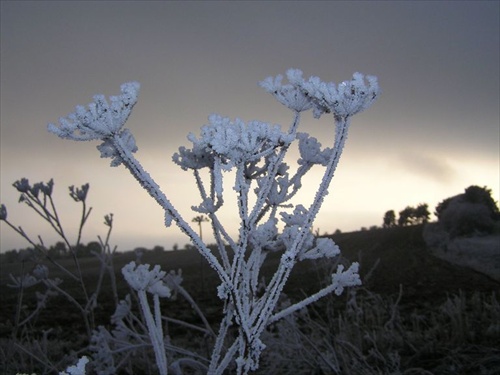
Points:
(433, 131)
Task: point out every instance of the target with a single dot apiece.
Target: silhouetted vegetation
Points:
(470, 213)
(408, 216)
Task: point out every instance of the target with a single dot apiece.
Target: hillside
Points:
(403, 258)
(396, 256)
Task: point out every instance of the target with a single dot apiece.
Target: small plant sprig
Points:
(39, 198)
(255, 152)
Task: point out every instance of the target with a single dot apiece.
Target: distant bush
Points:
(464, 219)
(473, 212)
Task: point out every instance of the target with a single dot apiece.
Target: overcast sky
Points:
(433, 132)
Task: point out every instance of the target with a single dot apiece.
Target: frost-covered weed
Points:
(264, 185)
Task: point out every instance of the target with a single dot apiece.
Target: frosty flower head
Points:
(104, 121)
(355, 95)
(196, 158)
(41, 272)
(264, 233)
(101, 119)
(289, 95)
(310, 151)
(344, 100)
(236, 141)
(325, 248)
(122, 310)
(141, 278)
(297, 218)
(342, 279)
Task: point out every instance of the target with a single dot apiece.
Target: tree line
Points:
(472, 212)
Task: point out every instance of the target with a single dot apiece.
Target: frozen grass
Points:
(361, 333)
(371, 334)
(368, 334)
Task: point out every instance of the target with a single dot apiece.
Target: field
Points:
(414, 314)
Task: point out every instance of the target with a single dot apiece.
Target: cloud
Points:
(428, 166)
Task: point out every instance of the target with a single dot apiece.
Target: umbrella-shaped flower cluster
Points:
(141, 278)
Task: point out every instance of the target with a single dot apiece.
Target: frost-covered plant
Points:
(264, 185)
